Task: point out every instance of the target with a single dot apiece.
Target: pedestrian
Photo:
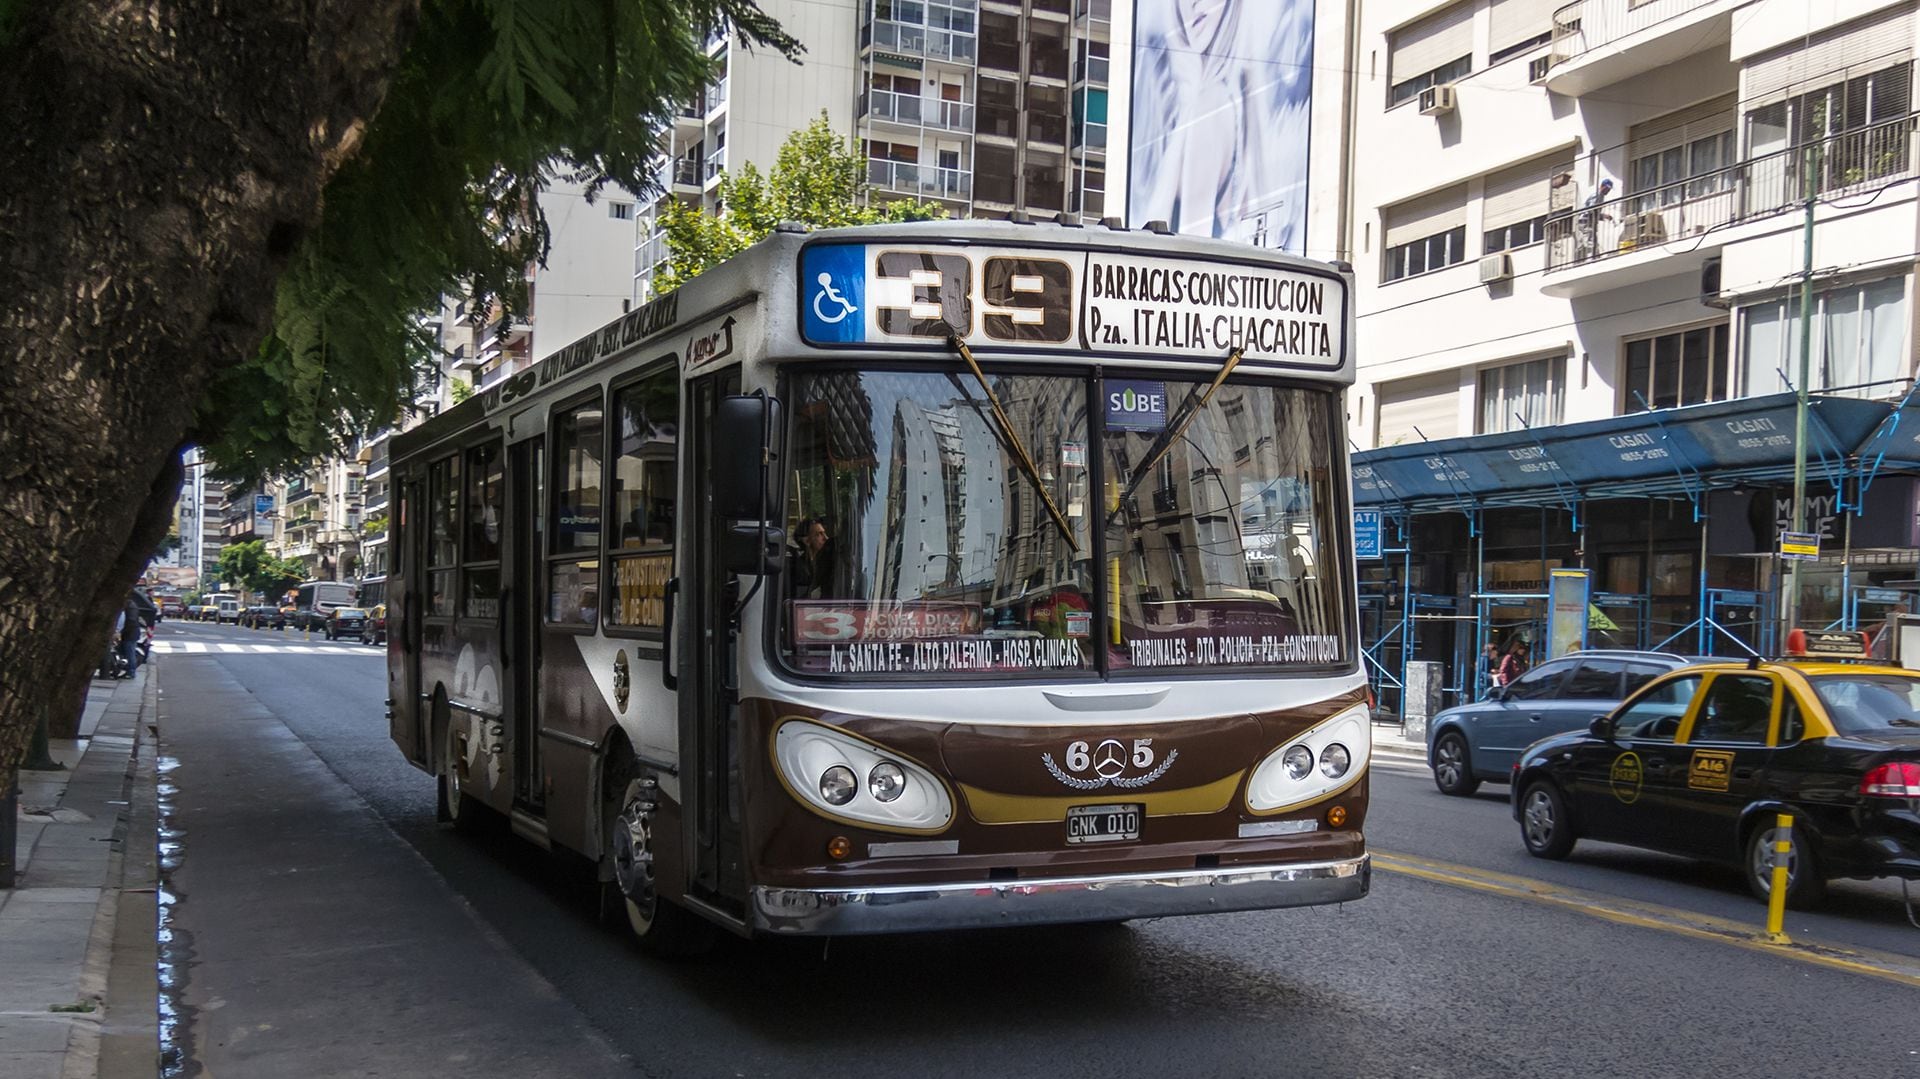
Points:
(1514, 663)
(1592, 212)
(1485, 670)
(130, 626)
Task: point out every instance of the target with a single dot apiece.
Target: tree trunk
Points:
(162, 161)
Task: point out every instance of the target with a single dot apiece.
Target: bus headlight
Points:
(822, 767)
(886, 782)
(1334, 761)
(1287, 779)
(838, 786)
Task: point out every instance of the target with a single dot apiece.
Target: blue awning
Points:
(1665, 453)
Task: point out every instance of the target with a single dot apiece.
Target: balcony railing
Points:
(716, 163)
(1096, 10)
(716, 96)
(927, 181)
(916, 110)
(1090, 136)
(1585, 25)
(1849, 163)
(914, 40)
(686, 171)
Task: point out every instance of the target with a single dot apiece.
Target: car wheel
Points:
(661, 926)
(1452, 768)
(1806, 888)
(1544, 824)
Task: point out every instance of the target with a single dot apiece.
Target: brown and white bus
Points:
(908, 577)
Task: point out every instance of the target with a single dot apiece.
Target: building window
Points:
(1532, 391)
(1862, 121)
(620, 211)
(1522, 234)
(1427, 254)
(1437, 49)
(1685, 367)
(1859, 340)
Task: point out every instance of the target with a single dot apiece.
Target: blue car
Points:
(1480, 742)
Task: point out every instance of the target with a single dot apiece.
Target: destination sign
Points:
(914, 296)
(1191, 308)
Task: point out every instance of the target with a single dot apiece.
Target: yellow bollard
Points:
(1777, 895)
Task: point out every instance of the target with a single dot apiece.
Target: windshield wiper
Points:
(1190, 408)
(1012, 439)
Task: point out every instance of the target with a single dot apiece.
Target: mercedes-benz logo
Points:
(1109, 759)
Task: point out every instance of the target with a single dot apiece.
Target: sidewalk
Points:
(1389, 740)
(72, 1004)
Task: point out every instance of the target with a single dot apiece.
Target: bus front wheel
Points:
(662, 927)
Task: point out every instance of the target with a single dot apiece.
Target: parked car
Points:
(1478, 743)
(263, 616)
(1700, 762)
(171, 607)
(343, 622)
(375, 629)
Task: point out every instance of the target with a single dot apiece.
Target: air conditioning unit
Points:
(1496, 267)
(1436, 100)
(1538, 67)
(1710, 284)
(1641, 229)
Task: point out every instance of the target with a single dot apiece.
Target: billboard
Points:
(1220, 96)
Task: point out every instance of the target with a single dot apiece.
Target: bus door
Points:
(709, 758)
(520, 644)
(409, 709)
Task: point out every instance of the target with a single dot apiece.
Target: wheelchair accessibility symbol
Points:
(830, 294)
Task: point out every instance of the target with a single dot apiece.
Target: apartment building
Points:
(1569, 213)
(200, 518)
(985, 106)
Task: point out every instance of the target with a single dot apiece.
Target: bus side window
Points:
(485, 502)
(443, 525)
(573, 563)
(646, 416)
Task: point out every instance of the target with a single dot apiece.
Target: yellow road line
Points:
(1886, 966)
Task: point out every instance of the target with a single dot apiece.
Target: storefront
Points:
(1675, 516)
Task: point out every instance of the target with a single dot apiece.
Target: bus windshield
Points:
(923, 545)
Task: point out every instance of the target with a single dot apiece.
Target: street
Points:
(322, 923)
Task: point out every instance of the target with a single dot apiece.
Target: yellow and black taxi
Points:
(1699, 761)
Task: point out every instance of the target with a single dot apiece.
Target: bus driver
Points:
(811, 567)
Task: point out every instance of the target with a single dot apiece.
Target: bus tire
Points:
(453, 804)
(660, 926)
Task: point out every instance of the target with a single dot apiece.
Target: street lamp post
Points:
(1790, 603)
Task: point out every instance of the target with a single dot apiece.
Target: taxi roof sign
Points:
(1827, 644)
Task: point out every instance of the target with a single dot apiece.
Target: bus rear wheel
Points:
(455, 805)
(659, 925)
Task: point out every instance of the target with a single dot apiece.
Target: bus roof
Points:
(897, 292)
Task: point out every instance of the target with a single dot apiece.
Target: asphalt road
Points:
(323, 924)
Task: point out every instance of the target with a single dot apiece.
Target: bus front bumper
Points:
(1055, 900)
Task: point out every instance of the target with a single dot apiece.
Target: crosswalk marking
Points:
(270, 648)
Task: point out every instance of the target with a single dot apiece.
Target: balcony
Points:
(716, 164)
(924, 181)
(912, 110)
(1624, 239)
(1091, 69)
(1092, 11)
(503, 331)
(1597, 43)
(716, 96)
(912, 39)
(686, 172)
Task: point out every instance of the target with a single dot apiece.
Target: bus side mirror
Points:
(746, 456)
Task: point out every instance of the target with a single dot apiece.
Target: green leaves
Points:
(817, 179)
(492, 98)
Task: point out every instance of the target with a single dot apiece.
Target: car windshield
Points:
(924, 544)
(1870, 703)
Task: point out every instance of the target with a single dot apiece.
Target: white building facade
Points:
(1490, 295)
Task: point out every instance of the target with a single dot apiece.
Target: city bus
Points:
(907, 577)
(315, 600)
